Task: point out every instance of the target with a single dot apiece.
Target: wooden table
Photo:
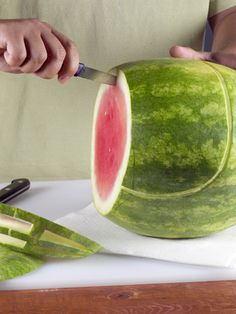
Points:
(198, 297)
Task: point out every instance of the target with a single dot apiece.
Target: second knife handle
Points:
(15, 188)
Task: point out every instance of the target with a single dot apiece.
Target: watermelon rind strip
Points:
(45, 238)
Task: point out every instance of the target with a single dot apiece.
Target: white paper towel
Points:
(215, 250)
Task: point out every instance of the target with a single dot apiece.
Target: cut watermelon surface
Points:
(111, 140)
(164, 146)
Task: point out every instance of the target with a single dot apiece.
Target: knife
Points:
(95, 75)
(15, 188)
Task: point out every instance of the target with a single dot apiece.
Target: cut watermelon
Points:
(163, 148)
(111, 142)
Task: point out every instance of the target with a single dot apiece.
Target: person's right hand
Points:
(32, 46)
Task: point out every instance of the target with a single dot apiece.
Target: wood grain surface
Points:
(198, 297)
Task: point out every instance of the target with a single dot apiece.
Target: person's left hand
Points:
(225, 57)
(223, 42)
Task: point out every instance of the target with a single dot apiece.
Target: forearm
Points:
(224, 31)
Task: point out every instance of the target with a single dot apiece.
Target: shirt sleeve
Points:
(217, 6)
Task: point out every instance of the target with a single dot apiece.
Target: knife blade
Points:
(95, 75)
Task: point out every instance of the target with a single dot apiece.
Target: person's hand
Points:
(31, 46)
(224, 41)
(226, 57)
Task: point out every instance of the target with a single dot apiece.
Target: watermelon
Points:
(14, 264)
(163, 148)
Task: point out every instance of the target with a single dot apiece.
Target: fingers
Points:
(4, 66)
(15, 53)
(55, 57)
(71, 61)
(7, 68)
(189, 53)
(36, 55)
(226, 57)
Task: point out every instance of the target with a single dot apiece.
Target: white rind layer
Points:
(104, 206)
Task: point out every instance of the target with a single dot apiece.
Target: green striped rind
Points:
(13, 264)
(179, 126)
(181, 176)
(47, 238)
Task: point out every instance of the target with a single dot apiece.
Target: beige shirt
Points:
(45, 128)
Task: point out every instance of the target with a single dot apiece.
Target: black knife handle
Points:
(16, 187)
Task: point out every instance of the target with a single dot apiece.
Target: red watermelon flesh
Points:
(110, 140)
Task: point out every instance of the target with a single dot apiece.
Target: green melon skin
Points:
(181, 176)
(13, 264)
(45, 238)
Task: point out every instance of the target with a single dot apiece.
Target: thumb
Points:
(189, 53)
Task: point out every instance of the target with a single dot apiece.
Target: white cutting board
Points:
(55, 199)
